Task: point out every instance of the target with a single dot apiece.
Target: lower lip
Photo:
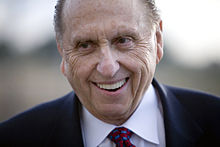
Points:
(113, 93)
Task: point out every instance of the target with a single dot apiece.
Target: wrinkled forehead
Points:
(95, 8)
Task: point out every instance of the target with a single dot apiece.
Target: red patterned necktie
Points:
(121, 136)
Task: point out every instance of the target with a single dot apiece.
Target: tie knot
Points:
(121, 136)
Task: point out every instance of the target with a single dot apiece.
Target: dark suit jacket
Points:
(192, 119)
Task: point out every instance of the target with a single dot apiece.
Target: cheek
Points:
(142, 58)
(145, 54)
(146, 59)
(140, 61)
(73, 65)
(79, 70)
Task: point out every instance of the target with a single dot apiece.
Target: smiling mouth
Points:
(112, 87)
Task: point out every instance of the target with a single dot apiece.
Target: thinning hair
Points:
(59, 27)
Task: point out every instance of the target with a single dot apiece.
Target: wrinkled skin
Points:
(105, 42)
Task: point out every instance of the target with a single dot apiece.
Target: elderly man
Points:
(110, 49)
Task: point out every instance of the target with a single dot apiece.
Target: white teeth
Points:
(112, 86)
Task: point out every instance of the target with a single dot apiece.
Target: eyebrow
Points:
(119, 32)
(131, 33)
(82, 38)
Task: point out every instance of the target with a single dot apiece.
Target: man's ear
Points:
(63, 66)
(159, 38)
(59, 47)
(63, 62)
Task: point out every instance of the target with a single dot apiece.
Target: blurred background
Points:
(29, 61)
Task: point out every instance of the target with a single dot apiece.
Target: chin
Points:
(115, 112)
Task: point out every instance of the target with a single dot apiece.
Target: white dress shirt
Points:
(146, 123)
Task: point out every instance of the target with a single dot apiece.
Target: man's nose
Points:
(108, 65)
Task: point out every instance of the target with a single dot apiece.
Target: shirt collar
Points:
(143, 122)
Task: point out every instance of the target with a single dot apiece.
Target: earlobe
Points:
(159, 38)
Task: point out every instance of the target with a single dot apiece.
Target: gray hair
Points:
(58, 24)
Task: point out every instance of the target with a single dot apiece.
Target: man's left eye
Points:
(124, 40)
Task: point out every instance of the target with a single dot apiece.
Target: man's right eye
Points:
(88, 45)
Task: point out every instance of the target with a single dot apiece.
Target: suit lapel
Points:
(181, 130)
(67, 129)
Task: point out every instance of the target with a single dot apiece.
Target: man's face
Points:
(109, 51)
